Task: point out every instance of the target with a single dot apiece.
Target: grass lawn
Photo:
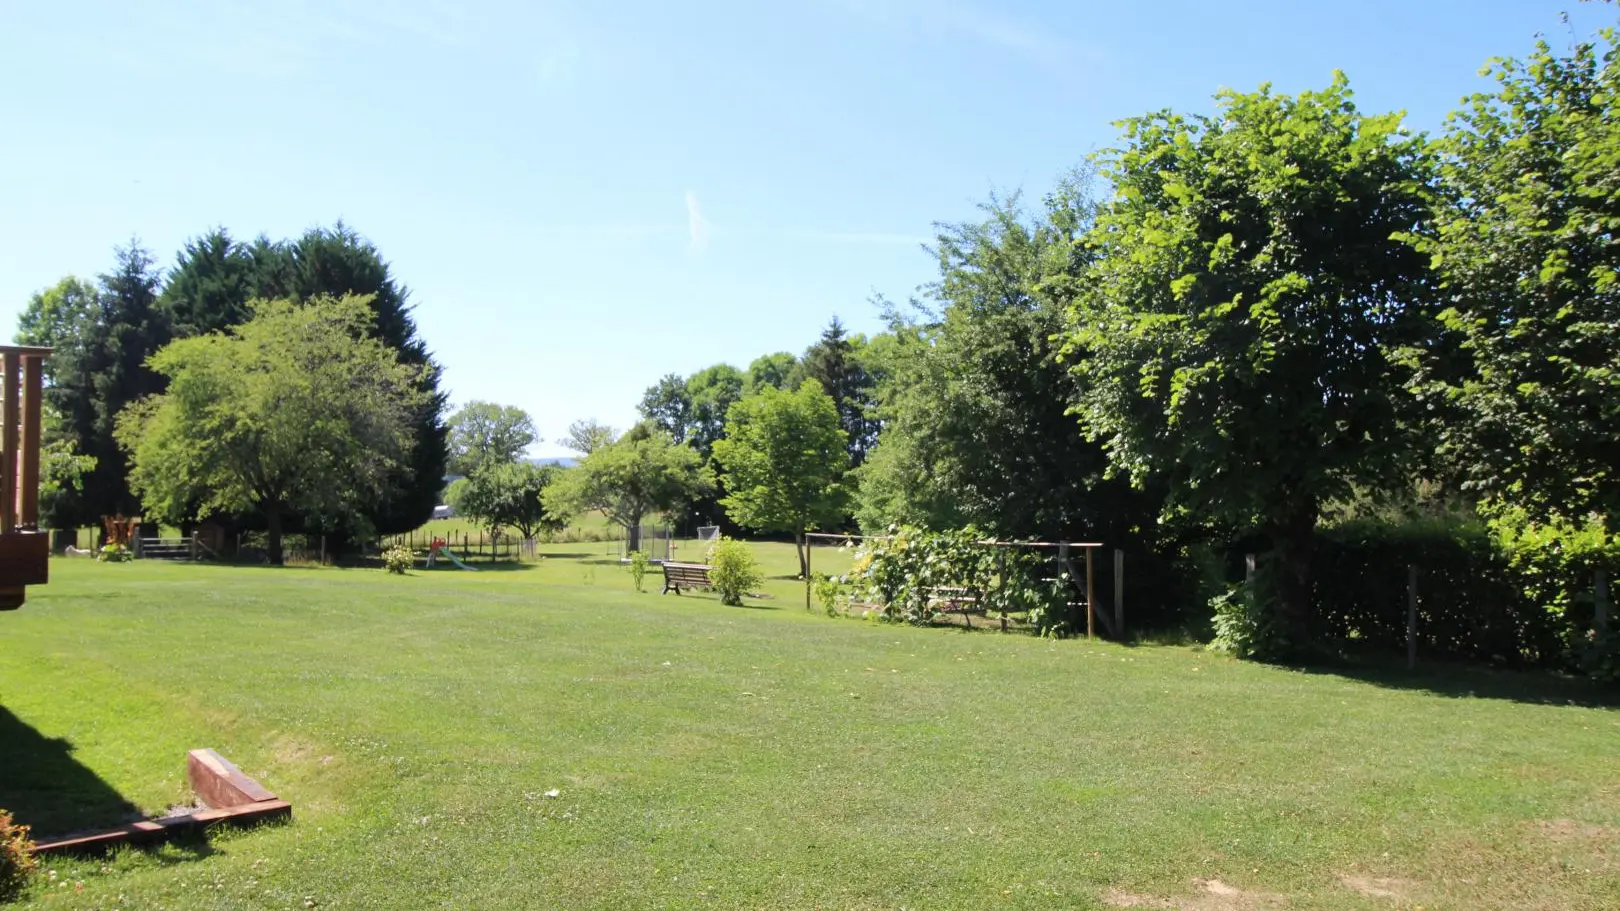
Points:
(705, 756)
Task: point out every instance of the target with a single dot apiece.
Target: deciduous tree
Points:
(782, 459)
(485, 435)
(298, 412)
(1525, 245)
(1236, 335)
(641, 473)
(508, 495)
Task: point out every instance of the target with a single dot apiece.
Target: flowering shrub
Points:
(398, 559)
(17, 864)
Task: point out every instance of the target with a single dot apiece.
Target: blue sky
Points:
(585, 196)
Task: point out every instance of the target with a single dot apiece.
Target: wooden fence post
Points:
(1411, 616)
(1119, 594)
(1065, 567)
(1600, 602)
(1091, 599)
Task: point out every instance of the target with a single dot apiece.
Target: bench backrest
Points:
(687, 572)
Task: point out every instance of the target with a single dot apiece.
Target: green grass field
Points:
(765, 757)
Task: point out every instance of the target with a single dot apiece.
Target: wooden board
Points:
(219, 783)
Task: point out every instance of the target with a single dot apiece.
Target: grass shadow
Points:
(48, 790)
(1458, 681)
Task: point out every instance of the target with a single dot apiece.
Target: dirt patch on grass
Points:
(1570, 830)
(1210, 895)
(1379, 886)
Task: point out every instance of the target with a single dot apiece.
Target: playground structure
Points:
(439, 548)
(24, 548)
(653, 540)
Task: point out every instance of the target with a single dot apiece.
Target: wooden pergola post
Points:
(24, 549)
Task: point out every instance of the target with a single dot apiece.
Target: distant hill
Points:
(564, 461)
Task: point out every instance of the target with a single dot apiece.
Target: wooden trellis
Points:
(1113, 626)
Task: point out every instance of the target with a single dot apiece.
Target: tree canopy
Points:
(1524, 245)
(641, 473)
(1236, 334)
(216, 278)
(484, 434)
(96, 372)
(782, 459)
(509, 495)
(297, 411)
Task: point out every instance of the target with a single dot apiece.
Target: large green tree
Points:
(296, 412)
(713, 390)
(641, 473)
(782, 460)
(587, 435)
(976, 403)
(508, 495)
(215, 279)
(1235, 336)
(97, 371)
(485, 435)
(776, 370)
(668, 405)
(57, 317)
(1527, 246)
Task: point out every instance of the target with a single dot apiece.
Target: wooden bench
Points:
(685, 575)
(954, 600)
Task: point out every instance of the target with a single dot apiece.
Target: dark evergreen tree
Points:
(102, 369)
(835, 362)
(215, 278)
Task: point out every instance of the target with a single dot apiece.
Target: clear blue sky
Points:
(585, 196)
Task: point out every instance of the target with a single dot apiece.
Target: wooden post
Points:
(1600, 602)
(807, 574)
(1411, 616)
(1091, 599)
(10, 412)
(1065, 568)
(33, 381)
(1119, 593)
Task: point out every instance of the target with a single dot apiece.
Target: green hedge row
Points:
(1509, 593)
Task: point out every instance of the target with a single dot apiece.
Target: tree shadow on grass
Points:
(1460, 681)
(48, 790)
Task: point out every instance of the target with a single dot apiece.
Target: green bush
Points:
(638, 568)
(398, 559)
(16, 863)
(828, 590)
(1244, 619)
(115, 553)
(1508, 592)
(733, 570)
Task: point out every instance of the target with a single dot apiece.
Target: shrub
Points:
(16, 863)
(828, 589)
(398, 559)
(1245, 620)
(733, 570)
(638, 568)
(115, 553)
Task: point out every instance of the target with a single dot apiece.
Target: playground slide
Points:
(456, 560)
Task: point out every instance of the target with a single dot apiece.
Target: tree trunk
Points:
(1293, 536)
(633, 536)
(272, 524)
(804, 561)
